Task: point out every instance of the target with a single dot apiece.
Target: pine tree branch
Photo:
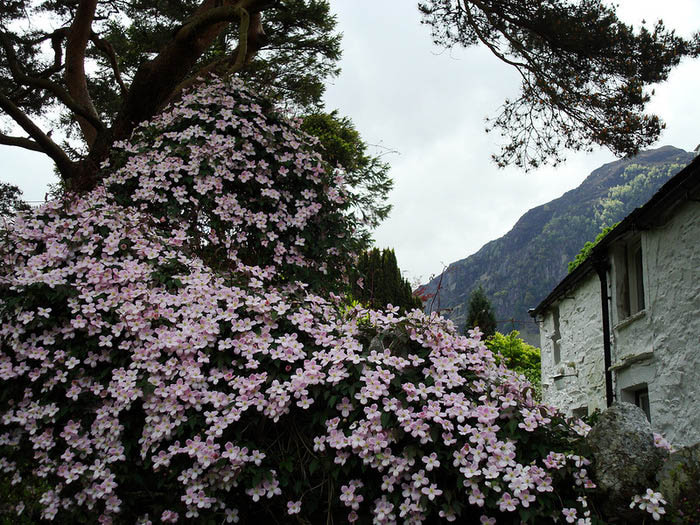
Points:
(21, 142)
(57, 37)
(42, 140)
(489, 44)
(157, 80)
(202, 20)
(104, 46)
(22, 78)
(230, 63)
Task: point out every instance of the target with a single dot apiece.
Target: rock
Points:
(626, 460)
(680, 474)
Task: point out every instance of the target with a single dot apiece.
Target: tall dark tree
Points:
(585, 74)
(481, 313)
(378, 281)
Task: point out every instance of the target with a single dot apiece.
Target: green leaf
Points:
(287, 465)
(386, 419)
(313, 466)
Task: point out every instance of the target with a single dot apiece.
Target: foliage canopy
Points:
(585, 74)
(104, 67)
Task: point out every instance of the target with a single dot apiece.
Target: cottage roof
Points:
(685, 185)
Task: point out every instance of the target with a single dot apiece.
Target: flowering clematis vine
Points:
(174, 345)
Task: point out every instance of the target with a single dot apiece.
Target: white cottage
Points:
(625, 324)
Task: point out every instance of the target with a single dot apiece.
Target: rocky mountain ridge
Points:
(520, 268)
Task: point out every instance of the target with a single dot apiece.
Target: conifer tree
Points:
(367, 175)
(481, 313)
(378, 281)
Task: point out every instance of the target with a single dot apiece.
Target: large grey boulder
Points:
(626, 460)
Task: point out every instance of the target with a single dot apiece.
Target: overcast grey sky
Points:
(429, 105)
(449, 198)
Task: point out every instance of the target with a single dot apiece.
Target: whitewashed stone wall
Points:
(657, 348)
(660, 347)
(578, 380)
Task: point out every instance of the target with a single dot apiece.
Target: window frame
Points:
(556, 335)
(641, 399)
(630, 281)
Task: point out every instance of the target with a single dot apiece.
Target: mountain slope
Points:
(517, 270)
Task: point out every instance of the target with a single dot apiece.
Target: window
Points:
(556, 336)
(639, 395)
(641, 399)
(629, 264)
(638, 303)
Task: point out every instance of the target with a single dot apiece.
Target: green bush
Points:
(519, 356)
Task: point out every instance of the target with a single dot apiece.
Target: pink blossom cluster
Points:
(650, 501)
(161, 358)
(226, 177)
